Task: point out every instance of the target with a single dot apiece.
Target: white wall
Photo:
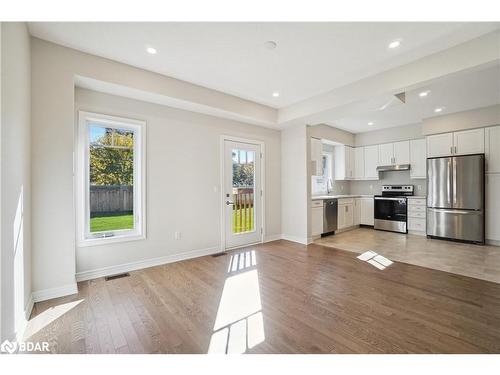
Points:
(475, 118)
(294, 183)
(183, 167)
(399, 133)
(54, 69)
(15, 189)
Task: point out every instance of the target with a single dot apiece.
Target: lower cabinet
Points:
(317, 218)
(493, 207)
(417, 216)
(345, 213)
(366, 211)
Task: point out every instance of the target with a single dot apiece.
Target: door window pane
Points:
(243, 219)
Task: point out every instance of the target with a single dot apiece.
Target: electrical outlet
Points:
(371, 187)
(419, 187)
(177, 235)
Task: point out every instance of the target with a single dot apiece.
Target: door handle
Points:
(229, 203)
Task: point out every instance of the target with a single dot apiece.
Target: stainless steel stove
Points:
(391, 208)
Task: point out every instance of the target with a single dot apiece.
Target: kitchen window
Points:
(111, 179)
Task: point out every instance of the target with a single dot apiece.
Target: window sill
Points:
(110, 240)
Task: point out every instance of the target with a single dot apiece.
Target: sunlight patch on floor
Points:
(376, 260)
(239, 324)
(48, 316)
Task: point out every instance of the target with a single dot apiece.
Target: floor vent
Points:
(219, 254)
(119, 276)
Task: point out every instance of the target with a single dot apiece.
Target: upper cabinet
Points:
(371, 162)
(457, 143)
(385, 154)
(439, 145)
(468, 142)
(402, 152)
(418, 158)
(344, 162)
(359, 163)
(394, 153)
(492, 149)
(316, 157)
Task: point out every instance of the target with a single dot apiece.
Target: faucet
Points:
(329, 185)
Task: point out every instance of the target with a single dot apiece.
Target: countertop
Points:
(318, 197)
(322, 197)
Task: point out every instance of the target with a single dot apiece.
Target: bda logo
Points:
(8, 347)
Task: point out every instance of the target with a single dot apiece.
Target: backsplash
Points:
(318, 186)
(387, 178)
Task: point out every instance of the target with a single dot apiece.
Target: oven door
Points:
(390, 214)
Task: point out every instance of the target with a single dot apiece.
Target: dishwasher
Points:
(330, 208)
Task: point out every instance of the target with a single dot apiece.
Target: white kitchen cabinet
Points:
(394, 153)
(492, 149)
(366, 211)
(357, 211)
(493, 207)
(345, 215)
(385, 154)
(401, 152)
(359, 163)
(343, 162)
(468, 142)
(417, 215)
(317, 218)
(464, 142)
(418, 158)
(371, 162)
(316, 157)
(439, 145)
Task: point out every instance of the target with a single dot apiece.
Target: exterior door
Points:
(242, 193)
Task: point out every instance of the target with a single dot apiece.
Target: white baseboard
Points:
(61, 291)
(127, 267)
(302, 240)
(493, 242)
(272, 237)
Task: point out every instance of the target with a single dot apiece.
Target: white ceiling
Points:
(459, 92)
(310, 59)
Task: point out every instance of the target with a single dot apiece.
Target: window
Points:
(327, 165)
(111, 181)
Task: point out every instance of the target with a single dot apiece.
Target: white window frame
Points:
(84, 237)
(329, 165)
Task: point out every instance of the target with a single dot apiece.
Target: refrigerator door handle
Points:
(454, 181)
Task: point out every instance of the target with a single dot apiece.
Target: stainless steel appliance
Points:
(330, 208)
(455, 198)
(391, 208)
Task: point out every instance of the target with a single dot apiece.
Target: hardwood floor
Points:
(279, 297)
(481, 262)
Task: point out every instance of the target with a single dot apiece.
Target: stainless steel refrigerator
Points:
(455, 198)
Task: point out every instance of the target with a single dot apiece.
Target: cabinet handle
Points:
(451, 149)
(455, 149)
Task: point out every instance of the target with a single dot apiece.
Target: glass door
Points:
(242, 193)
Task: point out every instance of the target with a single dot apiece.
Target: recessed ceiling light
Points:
(151, 50)
(276, 94)
(439, 109)
(395, 44)
(423, 94)
(271, 44)
(370, 123)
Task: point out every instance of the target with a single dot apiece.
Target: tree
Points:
(112, 158)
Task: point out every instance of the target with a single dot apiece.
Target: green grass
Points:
(111, 222)
(246, 225)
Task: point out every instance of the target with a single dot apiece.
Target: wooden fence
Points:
(243, 212)
(111, 199)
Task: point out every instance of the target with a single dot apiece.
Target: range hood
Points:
(393, 167)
